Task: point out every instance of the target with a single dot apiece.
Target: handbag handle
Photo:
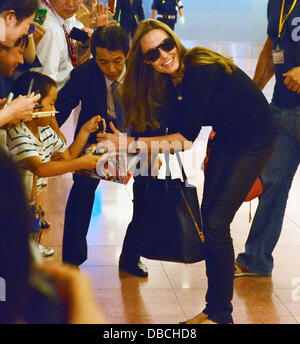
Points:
(168, 171)
(168, 177)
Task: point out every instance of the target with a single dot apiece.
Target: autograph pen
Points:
(8, 100)
(38, 106)
(30, 87)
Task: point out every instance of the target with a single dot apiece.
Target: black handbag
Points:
(168, 219)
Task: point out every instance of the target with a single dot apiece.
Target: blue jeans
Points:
(277, 177)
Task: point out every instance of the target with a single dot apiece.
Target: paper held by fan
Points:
(112, 166)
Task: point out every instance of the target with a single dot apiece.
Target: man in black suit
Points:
(91, 84)
(129, 13)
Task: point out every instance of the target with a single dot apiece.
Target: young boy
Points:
(32, 143)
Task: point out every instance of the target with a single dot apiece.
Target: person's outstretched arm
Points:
(149, 145)
(81, 139)
(56, 168)
(68, 161)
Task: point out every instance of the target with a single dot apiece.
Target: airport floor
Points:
(174, 292)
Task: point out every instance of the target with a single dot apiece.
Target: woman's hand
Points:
(116, 142)
(21, 108)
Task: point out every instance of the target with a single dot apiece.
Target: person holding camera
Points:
(57, 50)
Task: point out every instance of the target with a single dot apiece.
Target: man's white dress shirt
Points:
(52, 50)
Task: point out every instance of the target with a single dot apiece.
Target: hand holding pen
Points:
(21, 108)
(2, 102)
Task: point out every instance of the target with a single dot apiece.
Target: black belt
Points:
(166, 16)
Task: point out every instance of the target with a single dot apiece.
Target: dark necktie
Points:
(117, 99)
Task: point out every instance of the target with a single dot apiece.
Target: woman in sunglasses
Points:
(169, 86)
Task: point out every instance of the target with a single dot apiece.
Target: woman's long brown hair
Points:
(144, 88)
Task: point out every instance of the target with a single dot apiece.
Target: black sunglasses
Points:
(153, 54)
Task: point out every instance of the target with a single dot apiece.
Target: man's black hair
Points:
(111, 37)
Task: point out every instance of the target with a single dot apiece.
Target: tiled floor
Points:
(174, 292)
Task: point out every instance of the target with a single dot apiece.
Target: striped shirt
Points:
(23, 144)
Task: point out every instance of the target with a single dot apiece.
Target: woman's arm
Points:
(158, 144)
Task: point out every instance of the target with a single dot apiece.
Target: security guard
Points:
(166, 11)
(129, 13)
